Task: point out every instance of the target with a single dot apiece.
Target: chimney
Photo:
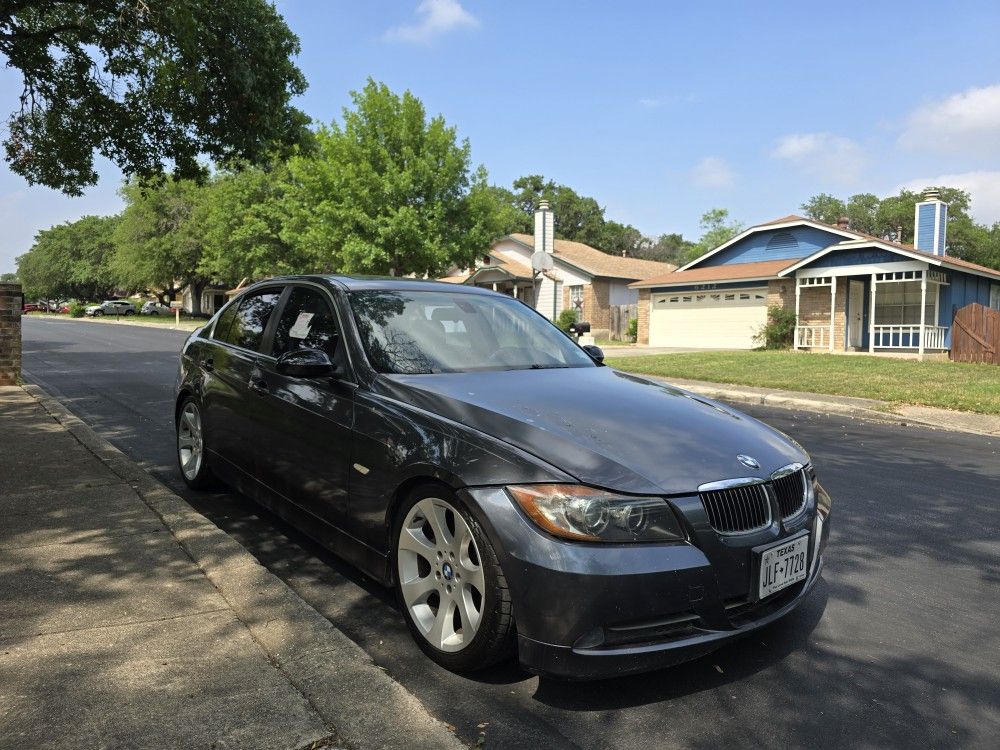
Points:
(545, 235)
(843, 223)
(930, 219)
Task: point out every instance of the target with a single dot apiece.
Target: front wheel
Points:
(449, 583)
(129, 312)
(97, 313)
(191, 448)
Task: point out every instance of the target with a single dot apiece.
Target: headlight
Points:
(586, 514)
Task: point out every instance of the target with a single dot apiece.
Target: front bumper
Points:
(592, 611)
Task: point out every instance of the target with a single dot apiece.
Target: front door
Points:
(305, 454)
(856, 305)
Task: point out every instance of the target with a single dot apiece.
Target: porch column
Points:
(923, 312)
(833, 306)
(797, 290)
(871, 319)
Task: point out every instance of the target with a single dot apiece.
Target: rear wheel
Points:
(129, 312)
(449, 583)
(191, 457)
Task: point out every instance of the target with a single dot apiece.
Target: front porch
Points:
(888, 308)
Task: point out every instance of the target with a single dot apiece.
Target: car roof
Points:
(381, 283)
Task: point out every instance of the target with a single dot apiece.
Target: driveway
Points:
(898, 646)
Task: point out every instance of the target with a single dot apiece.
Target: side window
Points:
(251, 318)
(224, 323)
(307, 322)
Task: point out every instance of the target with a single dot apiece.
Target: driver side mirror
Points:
(595, 352)
(306, 363)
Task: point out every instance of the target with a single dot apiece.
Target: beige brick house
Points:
(582, 277)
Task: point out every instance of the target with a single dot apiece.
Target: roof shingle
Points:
(598, 263)
(733, 272)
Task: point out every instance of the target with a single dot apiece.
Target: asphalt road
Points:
(898, 646)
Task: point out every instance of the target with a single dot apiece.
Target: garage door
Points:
(709, 320)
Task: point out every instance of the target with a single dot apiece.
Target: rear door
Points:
(230, 408)
(304, 449)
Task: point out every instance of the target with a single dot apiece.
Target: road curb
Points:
(347, 689)
(857, 408)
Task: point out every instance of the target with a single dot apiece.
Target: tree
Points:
(577, 217)
(160, 240)
(71, 260)
(825, 208)
(388, 191)
(620, 239)
(146, 83)
(716, 229)
(242, 214)
(8, 278)
(667, 248)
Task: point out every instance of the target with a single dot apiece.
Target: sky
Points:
(660, 110)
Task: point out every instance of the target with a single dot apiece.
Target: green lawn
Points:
(946, 384)
(151, 321)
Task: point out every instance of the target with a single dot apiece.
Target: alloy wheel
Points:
(190, 442)
(441, 574)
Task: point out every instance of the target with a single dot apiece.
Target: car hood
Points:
(604, 427)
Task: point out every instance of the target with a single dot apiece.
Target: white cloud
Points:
(650, 103)
(968, 122)
(822, 155)
(983, 186)
(435, 17)
(713, 172)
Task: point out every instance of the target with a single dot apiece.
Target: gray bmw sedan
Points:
(521, 497)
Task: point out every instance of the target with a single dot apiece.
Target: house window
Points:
(576, 300)
(995, 296)
(899, 304)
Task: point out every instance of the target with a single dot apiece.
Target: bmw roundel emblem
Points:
(749, 461)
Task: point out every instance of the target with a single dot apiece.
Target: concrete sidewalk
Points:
(129, 620)
(863, 408)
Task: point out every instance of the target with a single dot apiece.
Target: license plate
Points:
(782, 565)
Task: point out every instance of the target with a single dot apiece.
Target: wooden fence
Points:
(620, 316)
(975, 335)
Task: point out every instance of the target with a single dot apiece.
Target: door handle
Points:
(208, 364)
(258, 385)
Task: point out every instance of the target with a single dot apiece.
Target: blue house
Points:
(849, 291)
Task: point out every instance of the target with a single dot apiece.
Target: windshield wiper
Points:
(549, 367)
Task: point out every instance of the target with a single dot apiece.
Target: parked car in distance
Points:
(518, 494)
(111, 307)
(153, 307)
(30, 307)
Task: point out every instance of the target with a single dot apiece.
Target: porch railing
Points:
(908, 337)
(812, 337)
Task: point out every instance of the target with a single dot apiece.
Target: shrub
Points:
(566, 318)
(779, 330)
(632, 330)
(77, 308)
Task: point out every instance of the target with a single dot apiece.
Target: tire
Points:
(192, 459)
(97, 313)
(428, 571)
(129, 312)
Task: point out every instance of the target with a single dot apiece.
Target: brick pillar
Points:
(10, 333)
(642, 313)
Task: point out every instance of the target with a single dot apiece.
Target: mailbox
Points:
(577, 329)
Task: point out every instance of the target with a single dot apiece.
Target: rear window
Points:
(245, 327)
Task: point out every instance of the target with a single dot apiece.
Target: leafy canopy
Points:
(159, 240)
(389, 191)
(71, 260)
(146, 83)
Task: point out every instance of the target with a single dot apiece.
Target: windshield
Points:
(430, 331)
